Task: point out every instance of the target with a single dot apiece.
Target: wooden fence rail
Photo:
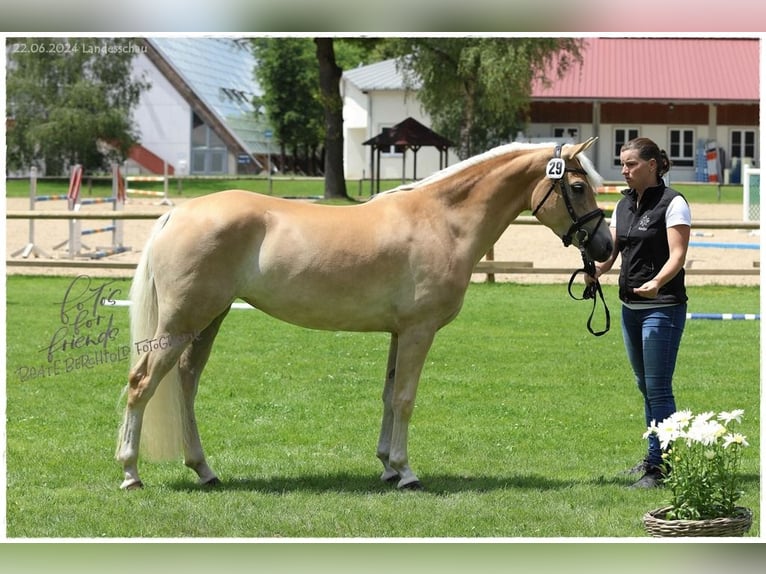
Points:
(521, 220)
(483, 267)
(33, 214)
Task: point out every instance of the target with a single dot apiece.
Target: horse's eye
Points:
(578, 187)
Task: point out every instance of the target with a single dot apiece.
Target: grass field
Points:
(306, 187)
(523, 425)
(195, 186)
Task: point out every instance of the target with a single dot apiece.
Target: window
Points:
(742, 143)
(394, 149)
(681, 150)
(621, 137)
(208, 154)
(571, 133)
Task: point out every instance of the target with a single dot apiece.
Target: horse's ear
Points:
(572, 151)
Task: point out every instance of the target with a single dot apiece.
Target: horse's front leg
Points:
(387, 424)
(412, 348)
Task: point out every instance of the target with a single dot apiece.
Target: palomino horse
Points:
(400, 263)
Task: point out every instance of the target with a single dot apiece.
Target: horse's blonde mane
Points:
(596, 180)
(594, 177)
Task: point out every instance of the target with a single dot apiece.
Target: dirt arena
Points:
(520, 243)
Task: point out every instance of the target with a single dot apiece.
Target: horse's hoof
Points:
(390, 476)
(415, 485)
(212, 483)
(132, 485)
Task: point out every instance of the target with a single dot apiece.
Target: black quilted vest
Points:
(642, 240)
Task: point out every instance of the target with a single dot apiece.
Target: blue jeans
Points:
(652, 338)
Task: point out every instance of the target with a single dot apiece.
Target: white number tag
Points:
(555, 168)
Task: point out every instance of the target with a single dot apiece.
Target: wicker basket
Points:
(656, 525)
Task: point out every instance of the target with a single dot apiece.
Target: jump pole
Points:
(725, 316)
(241, 305)
(150, 193)
(722, 245)
(119, 195)
(75, 226)
(73, 195)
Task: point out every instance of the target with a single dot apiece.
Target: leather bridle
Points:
(556, 171)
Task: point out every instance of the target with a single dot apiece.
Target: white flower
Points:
(705, 479)
(734, 438)
(702, 428)
(682, 418)
(704, 416)
(705, 431)
(735, 415)
(651, 429)
(668, 431)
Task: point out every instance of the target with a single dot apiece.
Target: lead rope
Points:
(591, 292)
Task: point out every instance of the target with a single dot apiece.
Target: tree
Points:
(477, 90)
(287, 73)
(300, 79)
(70, 101)
(329, 87)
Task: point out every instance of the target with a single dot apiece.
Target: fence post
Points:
(118, 193)
(30, 247)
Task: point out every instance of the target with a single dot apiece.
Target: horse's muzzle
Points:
(599, 245)
(596, 242)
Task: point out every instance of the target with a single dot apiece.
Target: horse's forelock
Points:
(596, 180)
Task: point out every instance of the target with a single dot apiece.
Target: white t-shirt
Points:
(677, 213)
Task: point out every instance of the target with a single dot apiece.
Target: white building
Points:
(198, 116)
(375, 98)
(693, 96)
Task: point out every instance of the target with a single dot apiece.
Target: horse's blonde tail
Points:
(162, 432)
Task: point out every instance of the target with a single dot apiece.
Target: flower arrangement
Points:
(701, 461)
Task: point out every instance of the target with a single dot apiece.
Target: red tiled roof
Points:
(667, 69)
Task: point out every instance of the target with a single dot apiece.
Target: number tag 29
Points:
(555, 168)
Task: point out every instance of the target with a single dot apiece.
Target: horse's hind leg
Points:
(142, 382)
(190, 366)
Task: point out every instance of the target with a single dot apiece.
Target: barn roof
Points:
(697, 69)
(660, 69)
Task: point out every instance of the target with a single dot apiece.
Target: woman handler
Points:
(650, 230)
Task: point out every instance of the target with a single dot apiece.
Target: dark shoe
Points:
(640, 468)
(652, 478)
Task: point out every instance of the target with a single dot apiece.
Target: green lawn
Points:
(523, 424)
(192, 187)
(303, 187)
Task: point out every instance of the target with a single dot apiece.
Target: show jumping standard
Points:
(399, 263)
